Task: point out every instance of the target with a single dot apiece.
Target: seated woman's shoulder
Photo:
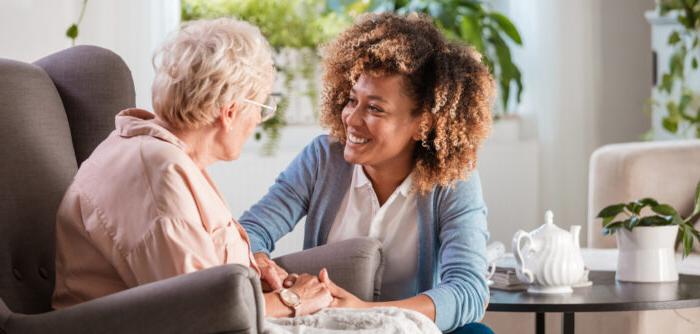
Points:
(155, 151)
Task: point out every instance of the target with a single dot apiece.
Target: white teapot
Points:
(549, 258)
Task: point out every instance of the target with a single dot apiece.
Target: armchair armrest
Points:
(354, 264)
(223, 299)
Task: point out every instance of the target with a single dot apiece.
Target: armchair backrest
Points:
(666, 170)
(54, 113)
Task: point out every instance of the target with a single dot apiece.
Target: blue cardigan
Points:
(452, 227)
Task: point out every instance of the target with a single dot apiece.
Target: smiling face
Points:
(381, 130)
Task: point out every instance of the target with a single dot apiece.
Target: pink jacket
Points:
(139, 210)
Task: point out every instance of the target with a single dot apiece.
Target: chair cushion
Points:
(94, 85)
(38, 164)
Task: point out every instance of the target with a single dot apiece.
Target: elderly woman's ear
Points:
(228, 116)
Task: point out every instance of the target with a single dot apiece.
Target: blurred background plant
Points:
(297, 28)
(682, 106)
(72, 31)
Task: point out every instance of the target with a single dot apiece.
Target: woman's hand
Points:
(272, 276)
(314, 294)
(341, 298)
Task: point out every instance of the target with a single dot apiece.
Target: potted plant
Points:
(647, 243)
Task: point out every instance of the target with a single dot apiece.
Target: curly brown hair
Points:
(444, 78)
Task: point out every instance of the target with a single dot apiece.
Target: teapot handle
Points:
(523, 273)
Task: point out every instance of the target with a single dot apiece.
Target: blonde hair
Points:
(448, 81)
(209, 64)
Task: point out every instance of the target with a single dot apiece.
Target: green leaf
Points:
(666, 83)
(612, 210)
(632, 222)
(607, 220)
(72, 31)
(612, 227)
(634, 207)
(508, 71)
(670, 124)
(507, 26)
(687, 241)
(695, 232)
(470, 31)
(648, 201)
(677, 220)
(664, 209)
(674, 38)
(676, 64)
(686, 98)
(655, 221)
(694, 63)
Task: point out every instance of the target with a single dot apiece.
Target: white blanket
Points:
(366, 321)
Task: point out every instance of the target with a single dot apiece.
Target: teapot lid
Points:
(549, 227)
(549, 217)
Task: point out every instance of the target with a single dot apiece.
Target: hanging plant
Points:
(682, 109)
(72, 31)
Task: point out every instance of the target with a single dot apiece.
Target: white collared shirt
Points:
(395, 224)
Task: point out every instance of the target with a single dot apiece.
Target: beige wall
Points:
(587, 70)
(32, 29)
(626, 70)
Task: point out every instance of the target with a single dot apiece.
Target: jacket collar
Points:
(134, 122)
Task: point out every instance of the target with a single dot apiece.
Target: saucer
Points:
(582, 284)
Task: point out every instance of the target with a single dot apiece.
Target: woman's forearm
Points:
(420, 303)
(274, 306)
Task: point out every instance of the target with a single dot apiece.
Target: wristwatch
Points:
(291, 299)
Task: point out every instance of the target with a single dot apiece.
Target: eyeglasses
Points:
(268, 109)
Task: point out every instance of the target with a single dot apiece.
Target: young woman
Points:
(407, 111)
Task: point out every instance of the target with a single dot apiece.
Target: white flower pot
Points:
(647, 254)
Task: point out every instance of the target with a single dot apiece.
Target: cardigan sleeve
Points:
(462, 293)
(285, 203)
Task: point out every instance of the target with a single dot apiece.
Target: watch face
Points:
(290, 297)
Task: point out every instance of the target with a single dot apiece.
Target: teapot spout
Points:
(575, 230)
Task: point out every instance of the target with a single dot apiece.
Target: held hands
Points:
(272, 276)
(320, 292)
(314, 294)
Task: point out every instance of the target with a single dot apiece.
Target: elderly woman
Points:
(407, 112)
(142, 207)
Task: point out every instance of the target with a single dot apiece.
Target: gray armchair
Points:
(54, 112)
